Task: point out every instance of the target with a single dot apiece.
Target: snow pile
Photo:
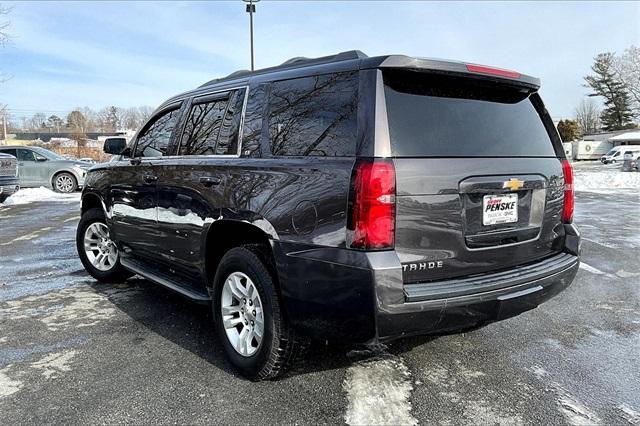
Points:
(378, 393)
(30, 195)
(596, 181)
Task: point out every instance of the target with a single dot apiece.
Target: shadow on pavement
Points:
(190, 326)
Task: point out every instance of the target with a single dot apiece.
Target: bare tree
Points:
(627, 68)
(145, 113)
(4, 35)
(588, 116)
(38, 121)
(4, 25)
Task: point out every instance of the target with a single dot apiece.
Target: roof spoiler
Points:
(460, 68)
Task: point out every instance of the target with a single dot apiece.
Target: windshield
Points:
(436, 116)
(49, 154)
(611, 152)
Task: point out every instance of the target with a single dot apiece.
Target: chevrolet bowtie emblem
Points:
(513, 184)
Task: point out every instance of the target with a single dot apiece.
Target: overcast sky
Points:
(63, 55)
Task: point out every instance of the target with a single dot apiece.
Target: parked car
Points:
(41, 167)
(616, 153)
(343, 198)
(630, 161)
(8, 176)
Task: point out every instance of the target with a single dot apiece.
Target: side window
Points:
(25, 155)
(212, 126)
(252, 131)
(314, 116)
(10, 152)
(154, 140)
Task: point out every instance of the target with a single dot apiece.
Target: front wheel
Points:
(65, 182)
(248, 316)
(98, 254)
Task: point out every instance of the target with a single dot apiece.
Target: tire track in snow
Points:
(379, 392)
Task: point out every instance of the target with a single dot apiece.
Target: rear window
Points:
(441, 116)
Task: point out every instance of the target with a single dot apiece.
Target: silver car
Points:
(41, 167)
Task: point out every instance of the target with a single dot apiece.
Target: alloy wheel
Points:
(242, 314)
(64, 183)
(98, 247)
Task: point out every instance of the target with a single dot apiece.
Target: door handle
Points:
(209, 181)
(150, 178)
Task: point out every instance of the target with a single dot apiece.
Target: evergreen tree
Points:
(617, 113)
(568, 130)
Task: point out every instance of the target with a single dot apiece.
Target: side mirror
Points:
(114, 146)
(40, 158)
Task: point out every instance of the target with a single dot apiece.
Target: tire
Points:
(113, 271)
(65, 183)
(278, 346)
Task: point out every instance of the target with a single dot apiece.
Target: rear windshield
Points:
(442, 116)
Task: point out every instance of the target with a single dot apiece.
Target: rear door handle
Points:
(150, 178)
(209, 181)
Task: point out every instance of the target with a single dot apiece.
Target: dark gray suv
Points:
(342, 198)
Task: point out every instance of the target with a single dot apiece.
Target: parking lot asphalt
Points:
(75, 351)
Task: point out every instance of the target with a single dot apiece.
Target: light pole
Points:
(251, 9)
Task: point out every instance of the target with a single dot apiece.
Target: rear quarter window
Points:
(314, 116)
(441, 116)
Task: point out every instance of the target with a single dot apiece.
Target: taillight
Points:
(569, 197)
(372, 205)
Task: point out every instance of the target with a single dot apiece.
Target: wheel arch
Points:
(89, 201)
(225, 234)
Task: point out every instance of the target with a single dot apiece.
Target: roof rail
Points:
(297, 62)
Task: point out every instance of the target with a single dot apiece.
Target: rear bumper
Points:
(360, 297)
(497, 297)
(8, 185)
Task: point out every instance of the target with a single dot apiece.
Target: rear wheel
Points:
(98, 253)
(65, 182)
(249, 319)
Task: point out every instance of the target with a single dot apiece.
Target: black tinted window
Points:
(9, 151)
(314, 116)
(154, 141)
(252, 132)
(26, 155)
(454, 117)
(212, 127)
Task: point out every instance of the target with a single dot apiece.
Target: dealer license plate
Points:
(498, 209)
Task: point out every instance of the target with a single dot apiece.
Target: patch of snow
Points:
(591, 269)
(629, 414)
(54, 365)
(605, 181)
(30, 195)
(378, 392)
(78, 307)
(575, 412)
(8, 386)
(626, 274)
